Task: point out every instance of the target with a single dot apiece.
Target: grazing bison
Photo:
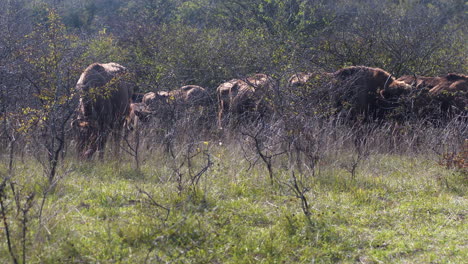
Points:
(444, 94)
(138, 112)
(104, 103)
(244, 96)
(421, 82)
(186, 96)
(367, 91)
(451, 82)
(299, 79)
(169, 104)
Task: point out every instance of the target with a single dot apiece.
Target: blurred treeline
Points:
(170, 43)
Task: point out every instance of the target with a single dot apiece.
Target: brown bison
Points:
(186, 96)
(169, 104)
(454, 83)
(451, 82)
(299, 79)
(244, 96)
(449, 91)
(368, 91)
(104, 103)
(138, 113)
(421, 82)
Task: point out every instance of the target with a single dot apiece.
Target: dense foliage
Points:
(175, 42)
(302, 188)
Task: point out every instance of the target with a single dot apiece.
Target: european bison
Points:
(138, 112)
(421, 82)
(451, 82)
(299, 79)
(104, 103)
(186, 96)
(244, 96)
(169, 104)
(368, 91)
(448, 93)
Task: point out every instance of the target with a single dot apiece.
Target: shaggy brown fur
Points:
(103, 105)
(363, 88)
(372, 79)
(435, 85)
(164, 103)
(421, 82)
(241, 96)
(298, 79)
(444, 94)
(138, 113)
(452, 82)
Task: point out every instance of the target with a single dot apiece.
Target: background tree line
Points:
(174, 42)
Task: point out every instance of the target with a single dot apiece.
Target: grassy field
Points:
(396, 209)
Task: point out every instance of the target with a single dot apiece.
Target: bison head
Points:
(394, 88)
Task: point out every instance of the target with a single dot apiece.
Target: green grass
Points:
(397, 209)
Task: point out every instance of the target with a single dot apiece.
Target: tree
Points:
(50, 68)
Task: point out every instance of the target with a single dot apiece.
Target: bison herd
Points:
(108, 101)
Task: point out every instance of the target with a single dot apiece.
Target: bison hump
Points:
(98, 74)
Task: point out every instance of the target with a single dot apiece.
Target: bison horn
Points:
(386, 82)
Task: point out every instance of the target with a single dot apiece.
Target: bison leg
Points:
(87, 153)
(220, 114)
(80, 147)
(86, 145)
(116, 135)
(101, 144)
